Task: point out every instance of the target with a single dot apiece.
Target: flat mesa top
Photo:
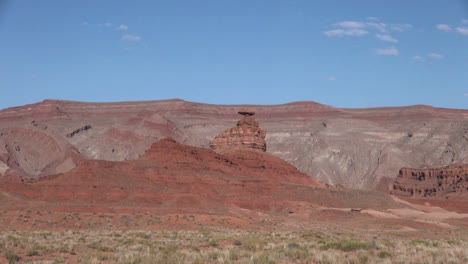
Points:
(246, 113)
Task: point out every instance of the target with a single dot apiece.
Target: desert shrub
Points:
(296, 253)
(213, 256)
(264, 258)
(293, 245)
(32, 252)
(14, 241)
(237, 242)
(426, 243)
(312, 235)
(346, 245)
(213, 243)
(98, 246)
(11, 257)
(234, 254)
(141, 235)
(363, 258)
(388, 243)
(384, 254)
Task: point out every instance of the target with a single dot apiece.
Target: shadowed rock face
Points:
(353, 147)
(444, 182)
(247, 135)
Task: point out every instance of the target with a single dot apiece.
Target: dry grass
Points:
(221, 247)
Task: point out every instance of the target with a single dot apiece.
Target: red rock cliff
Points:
(247, 135)
(432, 182)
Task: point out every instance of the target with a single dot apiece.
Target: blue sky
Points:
(342, 53)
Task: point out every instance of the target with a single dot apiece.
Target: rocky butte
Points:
(246, 135)
(447, 182)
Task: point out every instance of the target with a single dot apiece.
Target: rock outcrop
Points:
(443, 182)
(358, 148)
(247, 135)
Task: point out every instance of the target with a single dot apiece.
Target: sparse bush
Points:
(264, 258)
(32, 252)
(234, 254)
(11, 257)
(213, 243)
(346, 245)
(383, 254)
(293, 245)
(237, 242)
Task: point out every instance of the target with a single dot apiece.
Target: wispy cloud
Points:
(351, 24)
(462, 30)
(465, 21)
(444, 27)
(417, 58)
(133, 38)
(387, 52)
(331, 78)
(435, 56)
(353, 32)
(122, 27)
(401, 27)
(465, 94)
(387, 38)
(84, 23)
(379, 26)
(107, 24)
(359, 28)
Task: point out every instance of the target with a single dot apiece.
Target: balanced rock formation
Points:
(247, 135)
(444, 182)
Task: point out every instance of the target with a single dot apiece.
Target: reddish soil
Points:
(175, 186)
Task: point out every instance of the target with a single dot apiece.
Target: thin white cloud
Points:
(379, 26)
(354, 32)
(435, 56)
(351, 24)
(387, 52)
(417, 58)
(122, 27)
(444, 27)
(331, 78)
(84, 23)
(401, 27)
(462, 30)
(465, 21)
(465, 94)
(387, 38)
(107, 24)
(129, 37)
(373, 18)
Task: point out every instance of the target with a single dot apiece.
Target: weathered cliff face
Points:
(352, 147)
(246, 135)
(443, 182)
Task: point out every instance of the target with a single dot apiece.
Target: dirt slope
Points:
(172, 176)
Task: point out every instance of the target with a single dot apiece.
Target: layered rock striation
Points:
(432, 182)
(246, 135)
(358, 148)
